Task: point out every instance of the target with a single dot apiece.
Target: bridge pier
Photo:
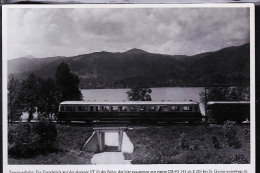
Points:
(101, 140)
(101, 131)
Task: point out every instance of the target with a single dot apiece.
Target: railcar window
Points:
(105, 108)
(115, 108)
(196, 109)
(187, 108)
(62, 108)
(133, 108)
(142, 108)
(175, 108)
(67, 108)
(123, 108)
(82, 108)
(163, 108)
(93, 108)
(151, 108)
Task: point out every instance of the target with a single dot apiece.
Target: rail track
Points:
(127, 123)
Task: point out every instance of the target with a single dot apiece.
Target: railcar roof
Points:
(128, 102)
(228, 102)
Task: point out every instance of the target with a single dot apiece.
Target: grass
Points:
(70, 141)
(187, 144)
(176, 144)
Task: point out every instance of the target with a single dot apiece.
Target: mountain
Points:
(135, 51)
(28, 63)
(232, 63)
(117, 70)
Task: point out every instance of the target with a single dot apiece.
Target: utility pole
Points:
(205, 105)
(205, 100)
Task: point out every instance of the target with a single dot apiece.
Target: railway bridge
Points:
(97, 141)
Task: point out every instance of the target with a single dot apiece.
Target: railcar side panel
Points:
(132, 112)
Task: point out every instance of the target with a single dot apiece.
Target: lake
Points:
(158, 94)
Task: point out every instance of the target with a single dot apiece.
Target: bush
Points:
(28, 140)
(46, 130)
(215, 142)
(239, 158)
(183, 143)
(206, 156)
(155, 157)
(230, 135)
(194, 145)
(247, 134)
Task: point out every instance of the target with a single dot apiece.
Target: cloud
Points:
(46, 32)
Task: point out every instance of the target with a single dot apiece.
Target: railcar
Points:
(221, 111)
(134, 111)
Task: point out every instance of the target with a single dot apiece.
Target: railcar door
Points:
(162, 111)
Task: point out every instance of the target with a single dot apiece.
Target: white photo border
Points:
(247, 168)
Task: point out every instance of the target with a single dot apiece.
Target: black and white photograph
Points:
(133, 85)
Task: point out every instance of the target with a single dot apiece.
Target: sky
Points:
(47, 32)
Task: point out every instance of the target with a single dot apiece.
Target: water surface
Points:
(158, 94)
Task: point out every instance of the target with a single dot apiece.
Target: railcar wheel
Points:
(134, 121)
(58, 121)
(211, 120)
(67, 122)
(151, 121)
(220, 121)
(170, 122)
(140, 122)
(87, 121)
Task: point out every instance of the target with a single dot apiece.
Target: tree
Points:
(139, 92)
(224, 93)
(67, 84)
(27, 140)
(47, 101)
(14, 108)
(30, 95)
